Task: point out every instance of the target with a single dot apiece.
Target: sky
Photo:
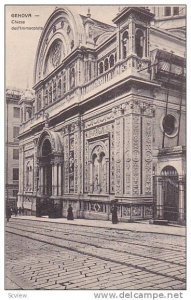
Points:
(21, 45)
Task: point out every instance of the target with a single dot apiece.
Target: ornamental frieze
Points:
(98, 131)
(134, 106)
(71, 128)
(99, 120)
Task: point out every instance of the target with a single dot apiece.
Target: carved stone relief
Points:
(66, 164)
(147, 155)
(127, 155)
(29, 174)
(119, 156)
(135, 155)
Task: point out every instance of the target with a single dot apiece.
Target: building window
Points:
(15, 192)
(176, 11)
(59, 88)
(46, 96)
(15, 153)
(111, 61)
(125, 39)
(54, 91)
(72, 78)
(101, 67)
(15, 132)
(64, 83)
(39, 100)
(106, 64)
(50, 94)
(167, 11)
(139, 43)
(16, 112)
(15, 174)
(169, 125)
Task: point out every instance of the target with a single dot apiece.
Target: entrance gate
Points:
(166, 195)
(49, 207)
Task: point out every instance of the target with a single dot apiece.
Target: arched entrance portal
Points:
(50, 178)
(47, 170)
(170, 193)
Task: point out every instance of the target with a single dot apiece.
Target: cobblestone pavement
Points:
(41, 255)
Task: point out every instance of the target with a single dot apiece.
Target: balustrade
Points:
(132, 65)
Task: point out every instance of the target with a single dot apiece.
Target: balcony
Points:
(132, 66)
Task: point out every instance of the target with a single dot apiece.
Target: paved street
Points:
(44, 255)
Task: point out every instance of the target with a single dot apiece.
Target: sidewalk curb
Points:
(108, 228)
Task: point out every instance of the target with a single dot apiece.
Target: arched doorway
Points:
(50, 175)
(47, 170)
(170, 193)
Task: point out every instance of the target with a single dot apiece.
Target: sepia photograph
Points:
(95, 148)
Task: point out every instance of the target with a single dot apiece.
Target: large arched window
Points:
(111, 60)
(46, 96)
(125, 40)
(139, 43)
(59, 88)
(101, 67)
(106, 64)
(54, 90)
(64, 83)
(50, 94)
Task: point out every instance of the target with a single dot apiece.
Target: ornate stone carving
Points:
(133, 106)
(112, 161)
(147, 155)
(135, 154)
(28, 172)
(86, 165)
(118, 156)
(148, 211)
(66, 164)
(77, 153)
(127, 155)
(99, 120)
(137, 211)
(126, 211)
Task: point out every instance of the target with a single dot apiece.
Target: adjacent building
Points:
(107, 124)
(12, 121)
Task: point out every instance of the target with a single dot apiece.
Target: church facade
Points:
(107, 124)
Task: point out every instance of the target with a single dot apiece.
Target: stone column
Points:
(181, 200)
(59, 178)
(91, 183)
(41, 180)
(45, 180)
(77, 158)
(55, 179)
(160, 202)
(53, 176)
(107, 176)
(119, 156)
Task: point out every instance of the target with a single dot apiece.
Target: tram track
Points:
(107, 236)
(75, 239)
(104, 253)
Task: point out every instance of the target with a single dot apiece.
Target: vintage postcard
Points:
(95, 149)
